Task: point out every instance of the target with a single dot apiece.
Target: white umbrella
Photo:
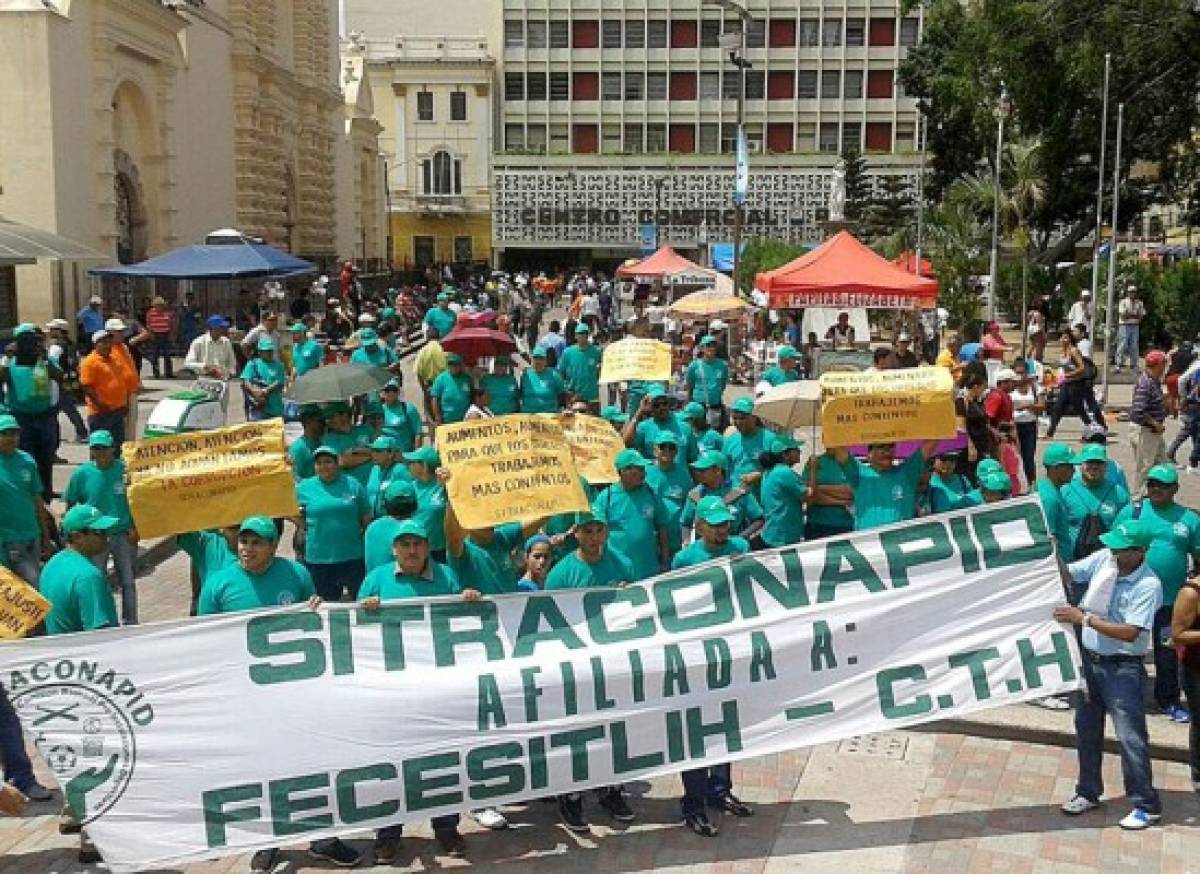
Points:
(791, 405)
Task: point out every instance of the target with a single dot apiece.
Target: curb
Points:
(1045, 736)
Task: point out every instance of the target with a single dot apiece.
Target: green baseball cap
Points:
(1058, 454)
(1163, 473)
(325, 450)
(666, 438)
(266, 344)
(614, 415)
(1130, 534)
(399, 490)
(986, 466)
(581, 328)
(392, 385)
(387, 313)
(656, 390)
(783, 443)
(1092, 452)
(693, 410)
(410, 528)
(713, 510)
(743, 405)
(9, 422)
(85, 517)
(23, 329)
(424, 455)
(368, 335)
(336, 408)
(298, 328)
(627, 458)
(442, 297)
(383, 443)
(787, 352)
(996, 481)
(100, 440)
(454, 358)
(709, 459)
(538, 352)
(708, 340)
(263, 526)
(589, 516)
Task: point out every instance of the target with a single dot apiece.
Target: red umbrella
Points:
(475, 320)
(475, 343)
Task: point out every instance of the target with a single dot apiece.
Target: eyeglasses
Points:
(1157, 484)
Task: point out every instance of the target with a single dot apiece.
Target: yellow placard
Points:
(22, 606)
(887, 406)
(509, 468)
(208, 479)
(594, 445)
(636, 358)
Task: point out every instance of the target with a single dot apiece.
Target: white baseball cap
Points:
(114, 325)
(95, 298)
(1006, 374)
(97, 336)
(57, 325)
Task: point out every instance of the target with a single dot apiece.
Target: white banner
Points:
(195, 739)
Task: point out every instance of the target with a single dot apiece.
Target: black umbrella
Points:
(339, 382)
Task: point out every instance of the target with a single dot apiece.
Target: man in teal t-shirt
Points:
(312, 420)
(440, 317)
(707, 376)
(451, 392)
(784, 493)
(744, 445)
(210, 552)
(710, 471)
(1091, 492)
(1059, 464)
(387, 466)
(22, 520)
(652, 418)
(372, 352)
(503, 394)
(399, 503)
(884, 492)
(704, 437)
(713, 540)
(423, 464)
(307, 354)
(101, 483)
(637, 518)
(541, 387)
(263, 379)
(351, 441)
(786, 370)
(671, 481)
(1175, 547)
(580, 367)
(401, 419)
(78, 593)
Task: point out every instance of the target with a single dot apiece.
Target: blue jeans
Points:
(124, 558)
(705, 784)
(24, 559)
(1114, 688)
(39, 437)
(1127, 345)
(112, 422)
(18, 770)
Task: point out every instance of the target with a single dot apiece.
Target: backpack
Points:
(1090, 530)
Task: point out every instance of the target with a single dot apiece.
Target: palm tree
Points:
(1022, 193)
(956, 242)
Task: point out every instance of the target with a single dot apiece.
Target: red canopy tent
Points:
(844, 273)
(665, 262)
(908, 263)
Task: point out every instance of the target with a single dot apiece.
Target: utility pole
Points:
(1100, 200)
(1112, 253)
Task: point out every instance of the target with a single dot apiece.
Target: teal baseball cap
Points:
(656, 390)
(592, 516)
(387, 313)
(1163, 473)
(1130, 534)
(710, 459)
(23, 329)
(787, 352)
(454, 358)
(713, 510)
(410, 528)
(263, 526)
(996, 481)
(581, 328)
(368, 335)
(666, 438)
(708, 340)
(627, 458)
(266, 344)
(383, 443)
(693, 410)
(85, 517)
(1091, 452)
(399, 490)
(783, 443)
(373, 408)
(100, 440)
(538, 352)
(614, 415)
(1058, 454)
(298, 328)
(8, 422)
(424, 455)
(325, 450)
(986, 466)
(442, 297)
(743, 405)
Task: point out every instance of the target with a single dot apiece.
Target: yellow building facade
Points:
(135, 126)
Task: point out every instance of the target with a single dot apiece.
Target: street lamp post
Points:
(1099, 201)
(994, 267)
(1112, 256)
(737, 56)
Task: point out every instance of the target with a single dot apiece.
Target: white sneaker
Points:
(491, 818)
(1138, 819)
(1078, 805)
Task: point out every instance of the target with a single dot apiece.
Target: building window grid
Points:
(560, 33)
(656, 33)
(535, 33)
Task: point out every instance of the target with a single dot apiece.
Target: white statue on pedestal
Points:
(837, 193)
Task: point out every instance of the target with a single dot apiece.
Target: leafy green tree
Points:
(1050, 58)
(956, 243)
(858, 186)
(891, 209)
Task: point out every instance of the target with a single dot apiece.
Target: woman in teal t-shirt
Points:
(334, 511)
(784, 493)
(431, 498)
(829, 504)
(263, 379)
(542, 389)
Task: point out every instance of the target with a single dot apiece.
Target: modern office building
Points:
(615, 120)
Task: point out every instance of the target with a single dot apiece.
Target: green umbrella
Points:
(339, 382)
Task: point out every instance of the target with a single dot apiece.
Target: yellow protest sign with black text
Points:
(208, 479)
(887, 406)
(636, 358)
(22, 606)
(594, 445)
(508, 469)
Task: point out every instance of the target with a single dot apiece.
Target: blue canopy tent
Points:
(720, 256)
(221, 261)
